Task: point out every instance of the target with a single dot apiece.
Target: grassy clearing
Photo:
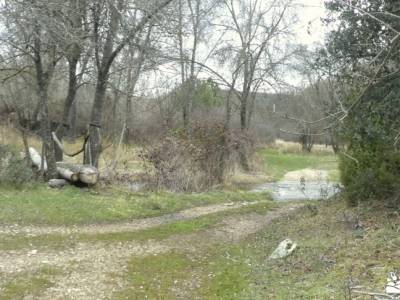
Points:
(71, 206)
(163, 274)
(277, 164)
(58, 242)
(28, 285)
(330, 252)
(178, 275)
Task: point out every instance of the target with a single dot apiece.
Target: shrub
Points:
(13, 168)
(373, 171)
(197, 162)
(375, 175)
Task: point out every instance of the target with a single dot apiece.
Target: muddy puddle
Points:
(300, 190)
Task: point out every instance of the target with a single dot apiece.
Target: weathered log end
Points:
(89, 175)
(67, 174)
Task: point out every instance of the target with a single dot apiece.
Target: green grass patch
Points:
(224, 276)
(73, 206)
(330, 252)
(47, 241)
(156, 233)
(57, 241)
(180, 227)
(177, 275)
(277, 164)
(30, 285)
(156, 277)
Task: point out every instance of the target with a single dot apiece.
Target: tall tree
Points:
(73, 31)
(257, 28)
(30, 33)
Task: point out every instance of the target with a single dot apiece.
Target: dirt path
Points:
(134, 225)
(95, 270)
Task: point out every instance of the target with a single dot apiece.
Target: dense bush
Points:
(371, 166)
(364, 56)
(197, 162)
(13, 168)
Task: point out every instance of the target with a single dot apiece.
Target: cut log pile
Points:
(70, 172)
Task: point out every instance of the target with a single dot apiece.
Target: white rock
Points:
(32, 252)
(393, 290)
(284, 249)
(57, 183)
(393, 285)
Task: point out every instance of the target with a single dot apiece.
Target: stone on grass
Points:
(57, 183)
(284, 249)
(393, 284)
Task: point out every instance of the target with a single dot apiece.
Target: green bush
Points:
(370, 169)
(13, 167)
(375, 176)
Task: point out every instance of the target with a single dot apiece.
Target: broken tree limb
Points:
(36, 159)
(60, 145)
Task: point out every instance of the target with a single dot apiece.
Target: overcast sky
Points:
(310, 29)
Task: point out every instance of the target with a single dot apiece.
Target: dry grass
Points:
(292, 147)
(243, 180)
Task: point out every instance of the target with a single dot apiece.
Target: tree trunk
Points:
(228, 106)
(46, 130)
(243, 114)
(128, 119)
(72, 122)
(68, 106)
(93, 150)
(114, 126)
(244, 162)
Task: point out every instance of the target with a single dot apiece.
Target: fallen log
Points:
(86, 173)
(68, 171)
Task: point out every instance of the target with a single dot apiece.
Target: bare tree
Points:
(108, 18)
(193, 21)
(72, 29)
(31, 35)
(255, 29)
